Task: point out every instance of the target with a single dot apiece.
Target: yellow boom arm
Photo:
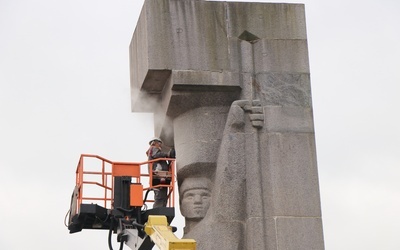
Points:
(161, 234)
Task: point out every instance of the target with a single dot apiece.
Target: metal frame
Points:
(131, 169)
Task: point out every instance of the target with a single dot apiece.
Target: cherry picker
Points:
(114, 196)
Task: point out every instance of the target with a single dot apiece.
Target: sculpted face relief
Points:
(195, 203)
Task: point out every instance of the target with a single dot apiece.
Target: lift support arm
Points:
(161, 234)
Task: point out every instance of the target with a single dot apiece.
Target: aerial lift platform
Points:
(116, 196)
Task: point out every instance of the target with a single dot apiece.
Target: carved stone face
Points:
(195, 203)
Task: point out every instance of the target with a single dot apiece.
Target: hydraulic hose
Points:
(145, 196)
(110, 232)
(121, 246)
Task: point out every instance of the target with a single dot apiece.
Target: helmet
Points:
(155, 139)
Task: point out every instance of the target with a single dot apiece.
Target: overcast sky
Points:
(64, 90)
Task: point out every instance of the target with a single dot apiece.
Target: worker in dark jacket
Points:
(154, 152)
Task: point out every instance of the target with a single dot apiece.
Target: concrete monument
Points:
(229, 85)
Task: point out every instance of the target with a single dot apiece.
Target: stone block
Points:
(224, 235)
(288, 119)
(284, 89)
(173, 34)
(270, 237)
(205, 80)
(267, 20)
(290, 174)
(198, 44)
(261, 233)
(256, 238)
(184, 92)
(192, 131)
(299, 233)
(281, 55)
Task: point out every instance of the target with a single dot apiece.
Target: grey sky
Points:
(64, 90)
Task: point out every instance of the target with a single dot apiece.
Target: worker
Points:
(194, 200)
(155, 152)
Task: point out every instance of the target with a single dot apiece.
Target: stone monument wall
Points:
(229, 85)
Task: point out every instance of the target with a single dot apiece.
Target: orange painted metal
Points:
(136, 199)
(126, 169)
(102, 178)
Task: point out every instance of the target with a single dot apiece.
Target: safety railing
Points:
(95, 179)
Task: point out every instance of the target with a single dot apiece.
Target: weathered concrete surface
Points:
(229, 84)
